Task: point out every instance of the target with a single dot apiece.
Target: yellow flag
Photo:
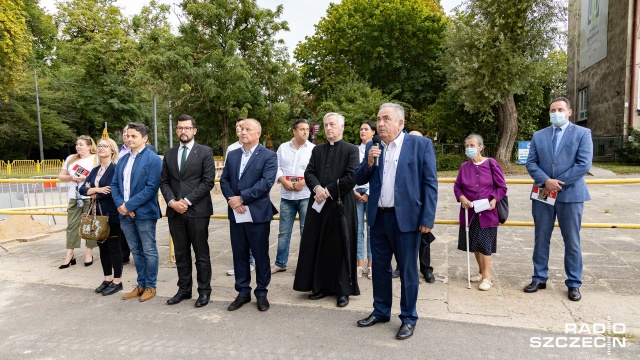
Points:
(105, 134)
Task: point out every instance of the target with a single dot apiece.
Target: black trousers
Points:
(111, 253)
(187, 233)
(425, 254)
(126, 252)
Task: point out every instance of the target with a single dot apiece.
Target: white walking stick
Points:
(466, 229)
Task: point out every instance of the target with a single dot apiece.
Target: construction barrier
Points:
(30, 167)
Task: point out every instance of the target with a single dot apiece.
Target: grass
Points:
(620, 169)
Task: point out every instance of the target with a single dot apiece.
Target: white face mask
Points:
(558, 118)
(471, 152)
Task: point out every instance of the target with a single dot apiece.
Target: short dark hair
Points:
(139, 127)
(299, 121)
(240, 119)
(561, 98)
(371, 125)
(185, 117)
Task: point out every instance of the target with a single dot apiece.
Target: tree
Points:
(393, 45)
(493, 51)
(15, 45)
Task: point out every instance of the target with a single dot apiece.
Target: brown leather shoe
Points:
(148, 294)
(137, 291)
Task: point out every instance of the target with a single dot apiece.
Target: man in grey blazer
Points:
(188, 175)
(559, 157)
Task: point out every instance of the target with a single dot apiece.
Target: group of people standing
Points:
(331, 186)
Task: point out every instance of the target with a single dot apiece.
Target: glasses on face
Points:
(186, 128)
(103, 146)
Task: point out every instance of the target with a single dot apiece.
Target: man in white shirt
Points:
(293, 157)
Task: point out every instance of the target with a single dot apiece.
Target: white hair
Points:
(397, 109)
(338, 116)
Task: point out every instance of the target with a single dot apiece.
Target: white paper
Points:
(318, 207)
(243, 218)
(481, 205)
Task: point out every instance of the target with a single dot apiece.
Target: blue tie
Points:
(556, 131)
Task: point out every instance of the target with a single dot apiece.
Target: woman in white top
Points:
(74, 171)
(367, 130)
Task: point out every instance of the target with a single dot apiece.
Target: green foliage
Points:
(15, 45)
(449, 162)
(392, 45)
(629, 153)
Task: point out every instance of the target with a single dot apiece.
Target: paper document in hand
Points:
(243, 218)
(318, 207)
(536, 194)
(480, 205)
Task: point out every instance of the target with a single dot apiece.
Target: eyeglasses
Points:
(187, 129)
(103, 146)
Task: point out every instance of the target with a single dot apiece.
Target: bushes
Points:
(448, 162)
(629, 153)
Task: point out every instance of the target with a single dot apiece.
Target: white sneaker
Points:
(277, 269)
(231, 272)
(485, 285)
(476, 278)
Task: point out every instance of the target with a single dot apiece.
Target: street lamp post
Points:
(35, 76)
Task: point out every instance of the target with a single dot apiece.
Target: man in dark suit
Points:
(559, 157)
(247, 178)
(135, 192)
(188, 175)
(403, 192)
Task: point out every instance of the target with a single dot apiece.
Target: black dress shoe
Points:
(71, 262)
(343, 301)
(395, 274)
(429, 278)
(405, 332)
(370, 321)
(126, 261)
(574, 294)
(238, 302)
(89, 263)
(103, 286)
(203, 300)
(112, 289)
(178, 298)
(263, 303)
(319, 295)
(534, 286)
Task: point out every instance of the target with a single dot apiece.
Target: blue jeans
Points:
(141, 237)
(288, 210)
(362, 210)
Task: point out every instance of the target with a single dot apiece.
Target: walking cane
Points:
(466, 229)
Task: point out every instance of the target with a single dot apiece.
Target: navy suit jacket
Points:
(255, 183)
(106, 201)
(416, 184)
(145, 182)
(571, 161)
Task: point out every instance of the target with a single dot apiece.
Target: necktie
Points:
(556, 131)
(183, 159)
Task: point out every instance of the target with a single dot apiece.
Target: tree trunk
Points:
(225, 132)
(508, 126)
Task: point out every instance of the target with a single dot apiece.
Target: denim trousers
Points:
(288, 210)
(141, 237)
(362, 210)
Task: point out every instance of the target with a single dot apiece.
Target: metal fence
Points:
(30, 167)
(30, 194)
(604, 147)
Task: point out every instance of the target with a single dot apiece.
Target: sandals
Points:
(369, 274)
(360, 270)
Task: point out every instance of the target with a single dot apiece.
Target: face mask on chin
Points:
(557, 118)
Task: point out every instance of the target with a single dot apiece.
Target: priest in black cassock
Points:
(326, 263)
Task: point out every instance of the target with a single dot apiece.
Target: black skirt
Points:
(481, 240)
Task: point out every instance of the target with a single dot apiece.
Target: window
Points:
(582, 104)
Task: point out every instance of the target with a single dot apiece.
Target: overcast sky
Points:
(301, 15)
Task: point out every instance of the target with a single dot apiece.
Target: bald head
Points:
(250, 134)
(416, 133)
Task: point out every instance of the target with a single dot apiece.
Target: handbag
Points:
(94, 227)
(503, 204)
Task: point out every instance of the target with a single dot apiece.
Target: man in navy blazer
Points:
(403, 192)
(247, 178)
(135, 192)
(559, 157)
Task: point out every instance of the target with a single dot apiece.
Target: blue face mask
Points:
(558, 118)
(471, 152)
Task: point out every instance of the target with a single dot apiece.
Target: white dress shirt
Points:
(293, 161)
(181, 149)
(230, 148)
(126, 176)
(391, 155)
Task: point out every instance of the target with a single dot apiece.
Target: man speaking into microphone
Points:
(403, 192)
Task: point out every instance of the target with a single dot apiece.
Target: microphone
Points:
(376, 141)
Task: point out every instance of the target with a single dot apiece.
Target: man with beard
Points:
(188, 175)
(327, 260)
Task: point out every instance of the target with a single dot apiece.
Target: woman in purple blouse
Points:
(479, 178)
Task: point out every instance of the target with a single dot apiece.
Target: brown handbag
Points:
(94, 227)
